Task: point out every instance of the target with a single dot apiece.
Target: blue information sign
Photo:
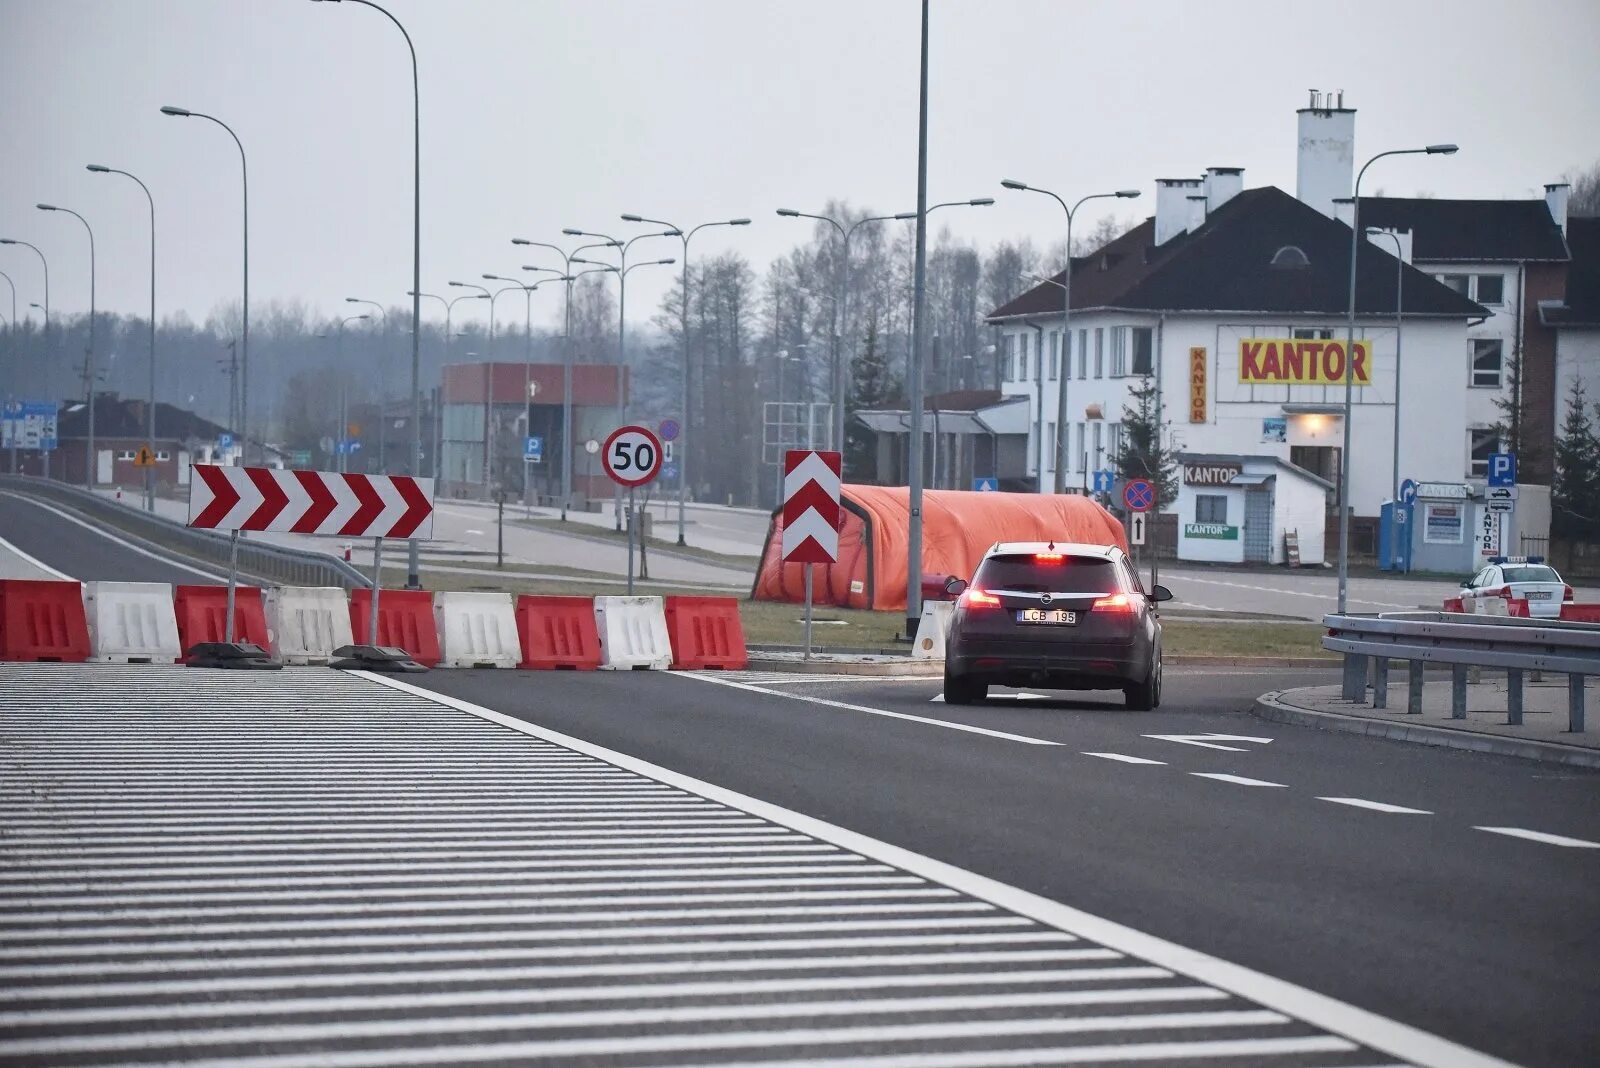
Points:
(533, 449)
(1104, 480)
(1502, 469)
(986, 485)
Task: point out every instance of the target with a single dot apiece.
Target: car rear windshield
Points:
(1531, 573)
(1030, 574)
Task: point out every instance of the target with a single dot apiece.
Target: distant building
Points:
(1575, 317)
(182, 438)
(968, 435)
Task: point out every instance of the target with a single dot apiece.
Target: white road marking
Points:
(1211, 741)
(1125, 758)
(1237, 780)
(209, 576)
(1390, 1036)
(938, 698)
(1377, 806)
(1540, 836)
(1146, 1052)
(844, 706)
(34, 561)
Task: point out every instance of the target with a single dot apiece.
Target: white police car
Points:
(1523, 578)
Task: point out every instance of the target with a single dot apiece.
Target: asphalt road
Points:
(77, 547)
(1299, 861)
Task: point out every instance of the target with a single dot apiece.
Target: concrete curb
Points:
(1274, 706)
(1204, 660)
(822, 665)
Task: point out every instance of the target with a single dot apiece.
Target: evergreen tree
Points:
(1575, 494)
(1146, 450)
(873, 386)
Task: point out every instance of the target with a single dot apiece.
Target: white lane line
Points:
(1147, 1052)
(1377, 806)
(202, 1010)
(938, 698)
(568, 1049)
(238, 861)
(1237, 780)
(1125, 758)
(34, 561)
(631, 1017)
(210, 576)
(825, 703)
(1389, 1036)
(1540, 836)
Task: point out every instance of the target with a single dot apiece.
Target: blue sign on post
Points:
(533, 449)
(1104, 480)
(1408, 491)
(1502, 469)
(669, 472)
(224, 441)
(28, 425)
(986, 485)
(1139, 495)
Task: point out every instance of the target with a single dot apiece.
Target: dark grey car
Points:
(1055, 616)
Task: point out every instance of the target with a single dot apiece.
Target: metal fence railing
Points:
(270, 563)
(1461, 641)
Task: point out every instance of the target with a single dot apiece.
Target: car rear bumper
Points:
(1096, 665)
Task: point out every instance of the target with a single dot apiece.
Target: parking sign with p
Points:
(1502, 469)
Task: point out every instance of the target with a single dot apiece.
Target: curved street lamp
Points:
(88, 359)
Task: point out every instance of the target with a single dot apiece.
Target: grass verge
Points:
(582, 530)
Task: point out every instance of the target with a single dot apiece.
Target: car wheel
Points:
(959, 691)
(1145, 696)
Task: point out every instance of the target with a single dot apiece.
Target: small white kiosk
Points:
(1237, 509)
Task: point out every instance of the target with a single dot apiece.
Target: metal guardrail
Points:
(1463, 642)
(273, 563)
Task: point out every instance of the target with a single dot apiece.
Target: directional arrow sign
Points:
(310, 502)
(811, 506)
(1211, 741)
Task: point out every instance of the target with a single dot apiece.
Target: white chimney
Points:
(1344, 209)
(1197, 213)
(1222, 185)
(1555, 198)
(1172, 206)
(1326, 162)
(1387, 243)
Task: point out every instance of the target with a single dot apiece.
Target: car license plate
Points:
(1046, 615)
(1538, 595)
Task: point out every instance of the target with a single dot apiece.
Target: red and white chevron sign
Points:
(810, 507)
(310, 502)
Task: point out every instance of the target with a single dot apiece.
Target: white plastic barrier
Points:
(633, 633)
(131, 623)
(932, 629)
(476, 630)
(307, 623)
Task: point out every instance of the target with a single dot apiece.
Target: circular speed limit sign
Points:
(632, 456)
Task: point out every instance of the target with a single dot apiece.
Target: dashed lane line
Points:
(1540, 836)
(1237, 780)
(1377, 806)
(1126, 759)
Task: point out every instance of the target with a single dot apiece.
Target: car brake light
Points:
(1117, 602)
(976, 598)
(1049, 558)
(1568, 595)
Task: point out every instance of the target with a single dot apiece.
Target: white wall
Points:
(1214, 550)
(1301, 506)
(1577, 359)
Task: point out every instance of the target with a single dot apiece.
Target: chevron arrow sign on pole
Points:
(810, 506)
(310, 502)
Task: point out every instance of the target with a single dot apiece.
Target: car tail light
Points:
(976, 598)
(1049, 558)
(1568, 595)
(1117, 602)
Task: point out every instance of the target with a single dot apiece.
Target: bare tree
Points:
(1585, 191)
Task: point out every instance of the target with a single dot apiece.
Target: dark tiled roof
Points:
(1225, 266)
(1469, 230)
(117, 417)
(1582, 304)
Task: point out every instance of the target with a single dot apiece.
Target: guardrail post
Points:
(1458, 691)
(1514, 696)
(1380, 682)
(1414, 688)
(1575, 703)
(1355, 677)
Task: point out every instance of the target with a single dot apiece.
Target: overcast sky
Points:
(544, 114)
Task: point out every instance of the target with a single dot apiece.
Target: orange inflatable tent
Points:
(958, 528)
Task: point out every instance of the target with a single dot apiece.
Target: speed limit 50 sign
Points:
(632, 456)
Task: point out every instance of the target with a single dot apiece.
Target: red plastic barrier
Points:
(203, 616)
(1517, 607)
(1580, 613)
(43, 619)
(706, 632)
(558, 633)
(405, 619)
(1453, 604)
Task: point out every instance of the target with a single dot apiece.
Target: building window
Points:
(1491, 288)
(1481, 443)
(1211, 508)
(1114, 435)
(125, 454)
(162, 456)
(1144, 345)
(1083, 353)
(1054, 447)
(1022, 361)
(1099, 352)
(1311, 333)
(1486, 362)
(1008, 362)
(1119, 351)
(1099, 444)
(1461, 283)
(1083, 463)
(1055, 355)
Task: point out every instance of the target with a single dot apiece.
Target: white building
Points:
(1575, 318)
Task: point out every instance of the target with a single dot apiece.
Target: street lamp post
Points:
(1399, 315)
(1349, 370)
(150, 424)
(1060, 481)
(88, 361)
(413, 580)
(383, 452)
(527, 364)
(45, 308)
(683, 378)
(244, 334)
(449, 308)
(342, 443)
(484, 294)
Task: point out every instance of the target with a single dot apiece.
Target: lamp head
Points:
(1012, 183)
(668, 260)
(520, 241)
(47, 207)
(97, 168)
(570, 232)
(670, 233)
(981, 202)
(788, 213)
(906, 215)
(352, 300)
(7, 241)
(633, 218)
(738, 222)
(1442, 150)
(456, 283)
(1128, 194)
(170, 110)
